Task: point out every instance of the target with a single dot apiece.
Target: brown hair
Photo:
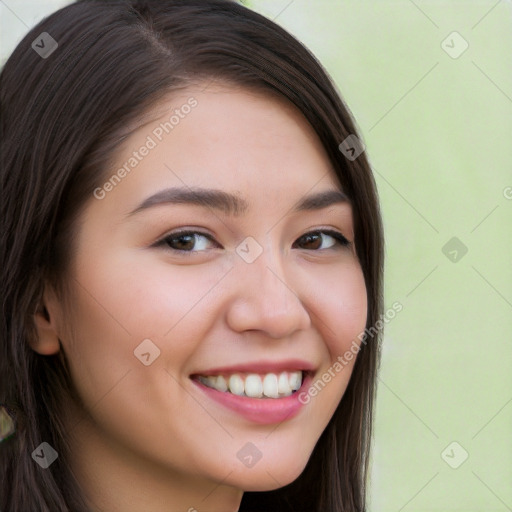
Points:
(61, 119)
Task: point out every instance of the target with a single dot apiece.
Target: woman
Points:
(192, 249)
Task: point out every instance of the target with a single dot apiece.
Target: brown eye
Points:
(320, 240)
(187, 241)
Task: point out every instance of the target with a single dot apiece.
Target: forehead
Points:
(224, 137)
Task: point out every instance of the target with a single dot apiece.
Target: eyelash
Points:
(163, 242)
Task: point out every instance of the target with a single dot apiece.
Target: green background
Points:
(438, 130)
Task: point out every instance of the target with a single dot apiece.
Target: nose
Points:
(263, 300)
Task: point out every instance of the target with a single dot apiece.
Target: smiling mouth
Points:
(255, 385)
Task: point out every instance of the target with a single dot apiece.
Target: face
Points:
(215, 282)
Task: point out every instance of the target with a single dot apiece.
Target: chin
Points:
(270, 476)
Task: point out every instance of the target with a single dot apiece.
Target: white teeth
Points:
(270, 387)
(221, 384)
(295, 380)
(284, 384)
(253, 385)
(236, 384)
(210, 381)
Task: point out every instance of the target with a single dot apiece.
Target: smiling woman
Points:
(157, 335)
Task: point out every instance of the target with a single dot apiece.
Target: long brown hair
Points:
(61, 119)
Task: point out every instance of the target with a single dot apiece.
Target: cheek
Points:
(339, 302)
(140, 297)
(117, 305)
(340, 308)
(128, 299)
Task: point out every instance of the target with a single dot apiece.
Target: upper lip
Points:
(260, 367)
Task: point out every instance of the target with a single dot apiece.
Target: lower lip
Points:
(264, 411)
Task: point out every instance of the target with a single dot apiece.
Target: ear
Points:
(47, 338)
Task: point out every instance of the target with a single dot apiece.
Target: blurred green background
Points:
(430, 86)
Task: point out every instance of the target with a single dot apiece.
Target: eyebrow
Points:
(229, 203)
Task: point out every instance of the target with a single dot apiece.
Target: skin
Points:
(146, 437)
